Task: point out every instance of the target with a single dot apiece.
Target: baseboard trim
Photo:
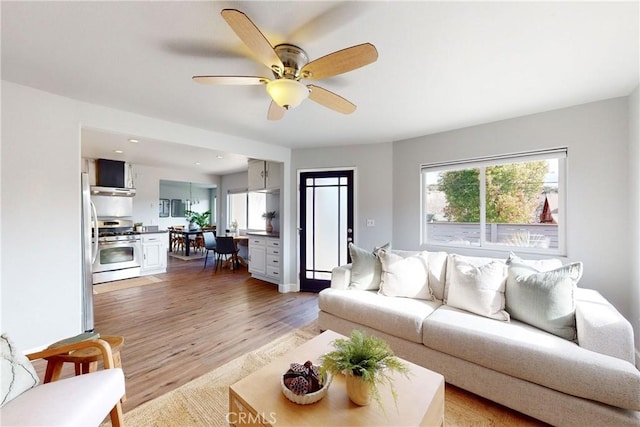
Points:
(283, 288)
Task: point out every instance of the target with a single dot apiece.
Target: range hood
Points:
(110, 179)
(112, 191)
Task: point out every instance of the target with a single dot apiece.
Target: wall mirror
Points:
(164, 206)
(178, 207)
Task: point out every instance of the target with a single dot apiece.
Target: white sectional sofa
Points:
(581, 380)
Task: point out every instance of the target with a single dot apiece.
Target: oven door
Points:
(117, 256)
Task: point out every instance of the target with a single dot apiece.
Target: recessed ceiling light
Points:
(220, 157)
(118, 151)
(134, 141)
(197, 163)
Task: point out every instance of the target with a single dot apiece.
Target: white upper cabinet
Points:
(263, 175)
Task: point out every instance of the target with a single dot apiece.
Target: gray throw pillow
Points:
(17, 372)
(544, 299)
(366, 269)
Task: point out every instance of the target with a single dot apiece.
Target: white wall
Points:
(373, 190)
(41, 164)
(41, 248)
(598, 223)
(634, 192)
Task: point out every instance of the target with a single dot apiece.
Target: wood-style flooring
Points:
(195, 321)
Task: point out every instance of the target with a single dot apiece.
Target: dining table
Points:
(239, 241)
(185, 234)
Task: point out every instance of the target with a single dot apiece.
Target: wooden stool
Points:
(85, 360)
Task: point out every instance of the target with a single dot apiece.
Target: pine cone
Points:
(299, 386)
(298, 368)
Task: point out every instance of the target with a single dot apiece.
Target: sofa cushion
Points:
(544, 299)
(538, 264)
(478, 289)
(17, 373)
(531, 354)
(401, 317)
(405, 277)
(366, 268)
(84, 400)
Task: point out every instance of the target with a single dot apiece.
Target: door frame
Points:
(354, 169)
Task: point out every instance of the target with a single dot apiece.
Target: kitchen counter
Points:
(263, 233)
(151, 232)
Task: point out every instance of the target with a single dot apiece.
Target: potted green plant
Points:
(367, 362)
(268, 216)
(199, 218)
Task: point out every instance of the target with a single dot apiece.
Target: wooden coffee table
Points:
(258, 400)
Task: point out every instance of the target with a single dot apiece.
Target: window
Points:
(246, 209)
(512, 201)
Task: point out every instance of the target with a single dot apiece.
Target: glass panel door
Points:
(326, 222)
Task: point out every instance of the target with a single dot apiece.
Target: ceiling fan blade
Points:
(230, 80)
(275, 112)
(340, 62)
(330, 100)
(252, 37)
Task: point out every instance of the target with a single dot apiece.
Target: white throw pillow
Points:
(365, 268)
(478, 289)
(405, 277)
(17, 373)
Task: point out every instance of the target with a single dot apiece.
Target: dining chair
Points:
(177, 239)
(209, 245)
(226, 246)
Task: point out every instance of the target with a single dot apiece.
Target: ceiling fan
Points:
(289, 64)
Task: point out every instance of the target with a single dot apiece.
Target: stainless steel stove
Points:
(119, 251)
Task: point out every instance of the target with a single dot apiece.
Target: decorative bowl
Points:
(309, 398)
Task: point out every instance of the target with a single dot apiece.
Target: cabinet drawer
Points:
(256, 241)
(273, 251)
(273, 243)
(273, 261)
(154, 237)
(273, 271)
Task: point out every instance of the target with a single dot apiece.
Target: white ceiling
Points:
(441, 66)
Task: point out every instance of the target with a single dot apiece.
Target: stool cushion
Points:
(82, 400)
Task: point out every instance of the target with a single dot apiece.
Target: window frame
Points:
(230, 194)
(561, 154)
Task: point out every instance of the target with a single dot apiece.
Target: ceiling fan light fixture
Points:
(287, 93)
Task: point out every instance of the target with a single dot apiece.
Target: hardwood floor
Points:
(195, 321)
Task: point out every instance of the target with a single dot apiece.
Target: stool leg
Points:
(89, 367)
(54, 368)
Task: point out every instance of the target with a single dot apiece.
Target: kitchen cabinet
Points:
(154, 253)
(265, 257)
(264, 175)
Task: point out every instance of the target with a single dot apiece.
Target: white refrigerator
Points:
(89, 252)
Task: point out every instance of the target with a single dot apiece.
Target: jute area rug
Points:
(125, 284)
(205, 400)
(193, 255)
